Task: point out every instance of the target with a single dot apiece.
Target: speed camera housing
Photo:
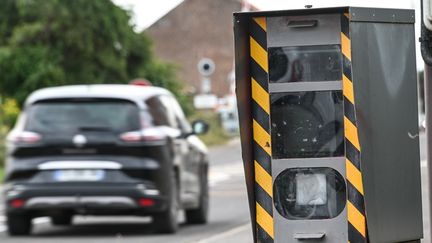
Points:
(327, 103)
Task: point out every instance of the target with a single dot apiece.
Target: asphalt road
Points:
(229, 214)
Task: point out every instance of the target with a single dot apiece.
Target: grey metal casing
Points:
(384, 76)
(281, 35)
(326, 33)
(243, 95)
(334, 230)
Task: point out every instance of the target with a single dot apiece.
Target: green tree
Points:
(57, 42)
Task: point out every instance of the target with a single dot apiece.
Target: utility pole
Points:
(426, 51)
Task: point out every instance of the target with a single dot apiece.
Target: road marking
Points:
(223, 173)
(224, 235)
(216, 178)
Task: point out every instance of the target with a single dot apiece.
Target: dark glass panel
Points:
(309, 193)
(305, 63)
(307, 124)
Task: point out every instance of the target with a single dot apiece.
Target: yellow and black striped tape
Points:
(261, 130)
(355, 206)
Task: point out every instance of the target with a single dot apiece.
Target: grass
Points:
(216, 134)
(1, 174)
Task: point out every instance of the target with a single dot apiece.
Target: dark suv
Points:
(105, 150)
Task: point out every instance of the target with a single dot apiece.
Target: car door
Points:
(182, 148)
(164, 119)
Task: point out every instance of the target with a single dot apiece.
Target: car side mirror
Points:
(200, 127)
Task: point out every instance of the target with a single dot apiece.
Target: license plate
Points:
(79, 175)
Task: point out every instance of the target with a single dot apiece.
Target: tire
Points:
(200, 214)
(166, 222)
(61, 220)
(19, 225)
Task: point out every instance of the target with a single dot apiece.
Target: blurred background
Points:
(185, 46)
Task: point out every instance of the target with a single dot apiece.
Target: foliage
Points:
(163, 75)
(2, 156)
(9, 112)
(57, 42)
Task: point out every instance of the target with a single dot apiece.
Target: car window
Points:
(180, 116)
(161, 113)
(166, 102)
(75, 116)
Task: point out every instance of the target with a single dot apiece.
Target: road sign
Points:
(328, 113)
(206, 66)
(205, 101)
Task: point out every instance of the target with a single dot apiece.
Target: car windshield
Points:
(75, 116)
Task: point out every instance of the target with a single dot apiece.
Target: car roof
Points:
(134, 93)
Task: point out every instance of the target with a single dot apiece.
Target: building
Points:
(194, 30)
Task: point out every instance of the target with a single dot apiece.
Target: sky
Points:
(146, 12)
